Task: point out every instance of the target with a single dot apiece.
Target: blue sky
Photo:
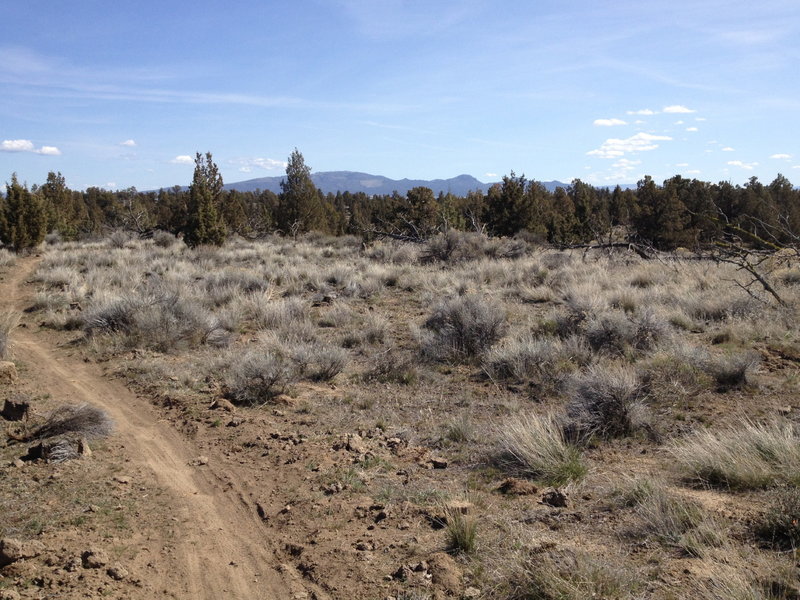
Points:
(122, 94)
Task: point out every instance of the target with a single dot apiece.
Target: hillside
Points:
(354, 182)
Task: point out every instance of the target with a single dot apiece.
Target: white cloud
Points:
(692, 129)
(796, 166)
(639, 122)
(682, 164)
(678, 109)
(27, 146)
(490, 174)
(728, 149)
(245, 169)
(678, 122)
(699, 118)
(17, 146)
(268, 164)
(608, 122)
(616, 148)
(743, 165)
(779, 156)
(693, 172)
(183, 159)
(130, 143)
(643, 111)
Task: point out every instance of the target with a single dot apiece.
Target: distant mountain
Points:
(350, 181)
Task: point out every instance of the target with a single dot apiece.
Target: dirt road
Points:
(220, 548)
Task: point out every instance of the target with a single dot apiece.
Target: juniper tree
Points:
(23, 223)
(204, 223)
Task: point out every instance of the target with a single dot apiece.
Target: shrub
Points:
(534, 446)
(750, 456)
(605, 401)
(7, 259)
(732, 371)
(319, 363)
(164, 239)
(8, 321)
(462, 328)
(779, 526)
(258, 376)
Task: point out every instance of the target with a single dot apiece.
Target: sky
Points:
(121, 94)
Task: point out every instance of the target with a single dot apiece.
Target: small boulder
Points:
(117, 572)
(15, 409)
(9, 595)
(555, 498)
(12, 550)
(8, 372)
(94, 558)
(517, 487)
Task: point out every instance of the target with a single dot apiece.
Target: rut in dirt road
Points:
(221, 550)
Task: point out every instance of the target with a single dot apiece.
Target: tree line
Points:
(680, 212)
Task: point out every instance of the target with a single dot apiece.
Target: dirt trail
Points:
(220, 549)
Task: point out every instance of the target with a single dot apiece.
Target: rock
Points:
(117, 572)
(94, 558)
(123, 479)
(365, 546)
(354, 443)
(517, 487)
(439, 463)
(200, 461)
(12, 550)
(471, 592)
(401, 574)
(262, 512)
(9, 595)
(8, 372)
(73, 564)
(445, 572)
(235, 422)
(785, 410)
(15, 410)
(555, 498)
(18, 463)
(83, 448)
(223, 404)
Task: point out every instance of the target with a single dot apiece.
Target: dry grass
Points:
(8, 321)
(534, 446)
(750, 456)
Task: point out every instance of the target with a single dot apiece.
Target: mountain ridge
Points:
(355, 181)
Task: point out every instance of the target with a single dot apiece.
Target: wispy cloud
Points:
(677, 109)
(642, 111)
(28, 146)
(182, 159)
(269, 164)
(728, 149)
(609, 122)
(692, 129)
(743, 165)
(781, 156)
(616, 148)
(129, 143)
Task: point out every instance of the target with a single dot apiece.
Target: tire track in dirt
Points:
(220, 550)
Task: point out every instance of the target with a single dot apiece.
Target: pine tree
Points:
(204, 223)
(24, 221)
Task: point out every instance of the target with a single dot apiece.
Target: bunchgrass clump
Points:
(567, 575)
(779, 526)
(673, 521)
(462, 531)
(534, 446)
(750, 456)
(732, 371)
